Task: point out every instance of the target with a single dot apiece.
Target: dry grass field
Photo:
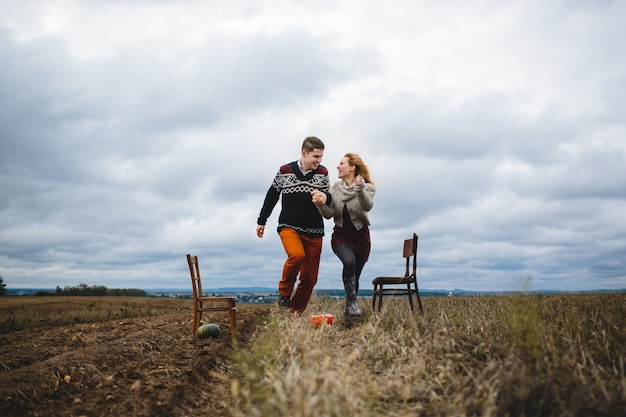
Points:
(526, 355)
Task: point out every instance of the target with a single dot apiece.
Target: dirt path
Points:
(143, 366)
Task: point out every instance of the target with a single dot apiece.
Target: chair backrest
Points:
(194, 271)
(410, 254)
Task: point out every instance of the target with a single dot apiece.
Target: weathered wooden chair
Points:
(202, 304)
(409, 279)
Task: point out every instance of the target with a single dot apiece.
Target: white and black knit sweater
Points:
(298, 211)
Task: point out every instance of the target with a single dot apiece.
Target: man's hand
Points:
(260, 228)
(318, 197)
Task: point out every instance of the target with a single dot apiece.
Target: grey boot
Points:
(352, 307)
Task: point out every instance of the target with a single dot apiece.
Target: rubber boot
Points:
(352, 307)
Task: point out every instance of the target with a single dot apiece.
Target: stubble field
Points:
(114, 356)
(525, 355)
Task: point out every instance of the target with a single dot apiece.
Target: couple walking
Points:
(307, 196)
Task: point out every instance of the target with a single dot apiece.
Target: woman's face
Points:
(344, 169)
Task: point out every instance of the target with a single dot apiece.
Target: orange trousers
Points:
(303, 256)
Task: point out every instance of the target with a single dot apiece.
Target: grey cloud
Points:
(116, 164)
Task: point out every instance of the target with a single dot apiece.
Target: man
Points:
(300, 225)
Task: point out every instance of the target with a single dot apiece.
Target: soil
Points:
(141, 366)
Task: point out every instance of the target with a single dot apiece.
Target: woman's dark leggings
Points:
(352, 264)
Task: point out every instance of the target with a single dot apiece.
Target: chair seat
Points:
(392, 280)
(216, 298)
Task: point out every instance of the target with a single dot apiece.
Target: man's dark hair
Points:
(312, 143)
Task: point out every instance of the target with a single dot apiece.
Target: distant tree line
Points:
(95, 291)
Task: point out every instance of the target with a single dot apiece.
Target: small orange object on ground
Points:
(318, 319)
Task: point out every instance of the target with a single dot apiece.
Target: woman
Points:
(352, 198)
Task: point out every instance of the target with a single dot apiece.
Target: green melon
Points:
(208, 330)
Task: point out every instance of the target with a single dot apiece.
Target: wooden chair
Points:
(409, 279)
(202, 304)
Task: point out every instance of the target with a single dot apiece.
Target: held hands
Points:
(318, 197)
(359, 181)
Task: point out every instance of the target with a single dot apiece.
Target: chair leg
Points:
(232, 313)
(409, 291)
(374, 298)
(196, 320)
(419, 299)
(379, 291)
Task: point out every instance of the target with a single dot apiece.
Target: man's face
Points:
(311, 160)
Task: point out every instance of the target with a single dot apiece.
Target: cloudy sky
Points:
(134, 132)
